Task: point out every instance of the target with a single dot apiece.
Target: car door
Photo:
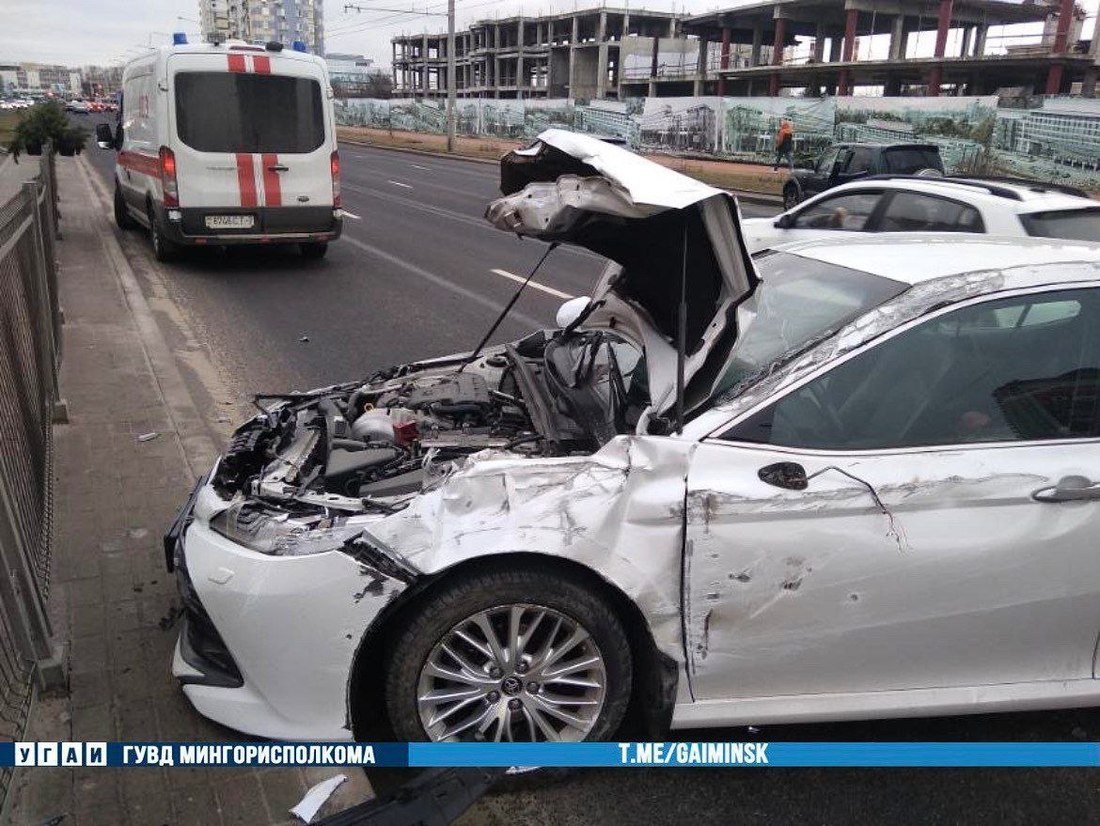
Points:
(854, 164)
(920, 212)
(842, 212)
(823, 172)
(921, 514)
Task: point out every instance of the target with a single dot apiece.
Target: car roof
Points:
(915, 257)
(1020, 197)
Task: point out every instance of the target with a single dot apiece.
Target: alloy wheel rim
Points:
(513, 673)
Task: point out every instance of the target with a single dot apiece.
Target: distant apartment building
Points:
(350, 74)
(263, 21)
(40, 77)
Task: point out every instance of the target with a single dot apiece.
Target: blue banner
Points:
(423, 755)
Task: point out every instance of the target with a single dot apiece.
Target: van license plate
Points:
(230, 221)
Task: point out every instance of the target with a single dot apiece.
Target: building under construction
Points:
(840, 61)
(772, 47)
(581, 54)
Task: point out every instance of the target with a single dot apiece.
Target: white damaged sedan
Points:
(852, 479)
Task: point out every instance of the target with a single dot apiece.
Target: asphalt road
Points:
(416, 275)
(418, 272)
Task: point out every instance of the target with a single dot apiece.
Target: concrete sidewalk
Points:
(113, 605)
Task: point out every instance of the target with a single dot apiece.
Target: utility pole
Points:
(452, 81)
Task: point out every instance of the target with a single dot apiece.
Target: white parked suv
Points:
(914, 204)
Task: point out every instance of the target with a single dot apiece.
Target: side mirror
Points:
(571, 310)
(786, 475)
(784, 221)
(104, 138)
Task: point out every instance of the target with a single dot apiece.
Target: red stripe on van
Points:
(261, 64)
(236, 62)
(140, 162)
(246, 181)
(273, 195)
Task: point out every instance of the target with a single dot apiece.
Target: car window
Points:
(916, 212)
(826, 161)
(849, 211)
(910, 159)
(1071, 224)
(859, 160)
(1020, 368)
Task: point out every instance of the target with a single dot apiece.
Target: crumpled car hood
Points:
(657, 226)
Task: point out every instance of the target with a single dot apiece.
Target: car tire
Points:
(313, 251)
(123, 219)
(568, 606)
(791, 197)
(164, 250)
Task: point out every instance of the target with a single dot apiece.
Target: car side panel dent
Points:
(619, 512)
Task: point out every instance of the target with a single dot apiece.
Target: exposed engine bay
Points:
(373, 445)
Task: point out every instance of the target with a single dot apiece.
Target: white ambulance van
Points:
(227, 144)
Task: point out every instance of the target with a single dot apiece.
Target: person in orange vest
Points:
(784, 145)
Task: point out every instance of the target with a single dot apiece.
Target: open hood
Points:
(657, 226)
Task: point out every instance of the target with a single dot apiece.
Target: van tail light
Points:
(334, 166)
(168, 177)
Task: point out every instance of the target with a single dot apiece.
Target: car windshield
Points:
(799, 301)
(1070, 224)
(236, 112)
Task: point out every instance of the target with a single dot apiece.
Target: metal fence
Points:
(30, 355)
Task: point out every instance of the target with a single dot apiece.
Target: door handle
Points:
(278, 167)
(1069, 489)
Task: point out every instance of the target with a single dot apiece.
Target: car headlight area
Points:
(273, 616)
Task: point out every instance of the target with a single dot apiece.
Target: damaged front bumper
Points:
(268, 642)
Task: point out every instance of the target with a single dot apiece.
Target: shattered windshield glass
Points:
(799, 301)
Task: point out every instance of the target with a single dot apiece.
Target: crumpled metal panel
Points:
(618, 512)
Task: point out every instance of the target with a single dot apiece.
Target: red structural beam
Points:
(943, 26)
(1061, 35)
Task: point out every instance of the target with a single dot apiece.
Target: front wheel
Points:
(511, 655)
(314, 250)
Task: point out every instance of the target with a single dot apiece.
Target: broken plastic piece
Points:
(147, 437)
(315, 798)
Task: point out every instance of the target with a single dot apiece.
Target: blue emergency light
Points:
(179, 39)
(299, 46)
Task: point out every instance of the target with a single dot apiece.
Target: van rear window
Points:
(236, 112)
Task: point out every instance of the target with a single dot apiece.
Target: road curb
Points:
(196, 447)
(761, 198)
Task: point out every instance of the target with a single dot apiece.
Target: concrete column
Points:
(851, 21)
(626, 22)
(424, 65)
(980, 31)
(834, 48)
(898, 38)
(601, 71)
(757, 43)
(724, 59)
(573, 57)
(968, 32)
(701, 69)
(935, 77)
(1054, 76)
(777, 42)
(819, 44)
(601, 29)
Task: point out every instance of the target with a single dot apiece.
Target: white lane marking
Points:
(533, 285)
(398, 183)
(418, 166)
(347, 214)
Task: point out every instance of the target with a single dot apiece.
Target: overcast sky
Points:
(78, 32)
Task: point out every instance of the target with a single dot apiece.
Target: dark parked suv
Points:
(846, 162)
